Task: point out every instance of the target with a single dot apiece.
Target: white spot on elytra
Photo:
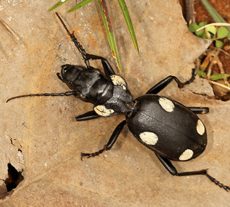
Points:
(200, 127)
(103, 111)
(118, 81)
(166, 104)
(186, 155)
(149, 138)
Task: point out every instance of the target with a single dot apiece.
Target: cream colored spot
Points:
(103, 111)
(200, 127)
(149, 138)
(166, 104)
(118, 81)
(186, 155)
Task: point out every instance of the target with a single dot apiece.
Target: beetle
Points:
(171, 130)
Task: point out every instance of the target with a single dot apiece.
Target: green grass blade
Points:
(129, 23)
(219, 76)
(59, 3)
(79, 5)
(109, 32)
(213, 12)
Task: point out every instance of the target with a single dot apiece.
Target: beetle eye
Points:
(65, 68)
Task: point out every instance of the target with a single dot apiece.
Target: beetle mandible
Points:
(171, 130)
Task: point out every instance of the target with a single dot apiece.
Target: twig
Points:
(9, 30)
(219, 84)
(223, 51)
(214, 24)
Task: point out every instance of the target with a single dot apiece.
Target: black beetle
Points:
(171, 130)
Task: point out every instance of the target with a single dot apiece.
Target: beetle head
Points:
(79, 78)
(69, 73)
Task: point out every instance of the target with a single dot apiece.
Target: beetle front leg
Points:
(173, 171)
(74, 40)
(162, 84)
(106, 65)
(87, 116)
(109, 144)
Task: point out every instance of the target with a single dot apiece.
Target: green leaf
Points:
(79, 5)
(211, 29)
(193, 27)
(201, 73)
(222, 32)
(109, 32)
(219, 76)
(219, 44)
(199, 33)
(59, 3)
(129, 23)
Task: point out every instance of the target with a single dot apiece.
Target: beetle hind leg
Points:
(199, 110)
(109, 144)
(173, 171)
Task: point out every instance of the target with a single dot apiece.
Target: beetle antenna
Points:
(218, 183)
(75, 41)
(67, 93)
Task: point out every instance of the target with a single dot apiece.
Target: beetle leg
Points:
(199, 110)
(162, 84)
(87, 116)
(74, 40)
(106, 65)
(173, 171)
(109, 144)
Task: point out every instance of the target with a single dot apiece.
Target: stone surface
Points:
(51, 140)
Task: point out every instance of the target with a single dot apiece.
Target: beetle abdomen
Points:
(167, 127)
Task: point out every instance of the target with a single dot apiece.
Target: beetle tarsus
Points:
(75, 41)
(218, 183)
(109, 144)
(205, 172)
(93, 154)
(193, 76)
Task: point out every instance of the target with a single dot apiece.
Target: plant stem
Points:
(213, 12)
